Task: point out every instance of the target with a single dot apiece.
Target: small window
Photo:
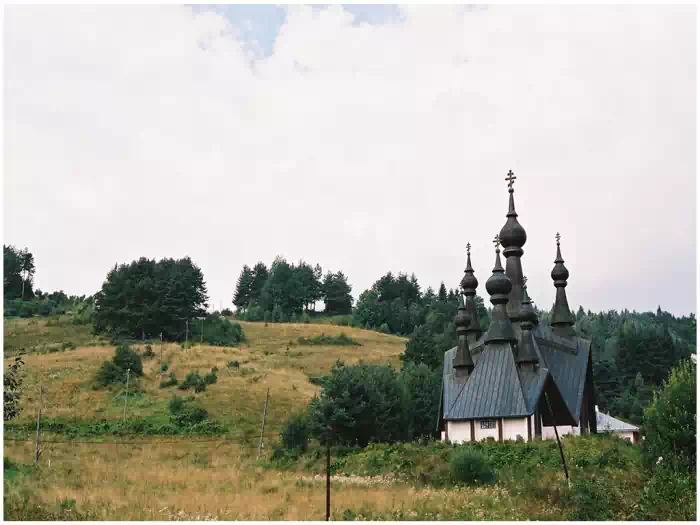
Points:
(488, 423)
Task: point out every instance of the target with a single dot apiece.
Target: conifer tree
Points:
(241, 296)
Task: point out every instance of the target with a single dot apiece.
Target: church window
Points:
(488, 423)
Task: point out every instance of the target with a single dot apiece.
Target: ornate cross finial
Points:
(497, 241)
(469, 247)
(524, 281)
(557, 237)
(510, 178)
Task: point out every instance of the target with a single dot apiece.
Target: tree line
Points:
(20, 299)
(285, 290)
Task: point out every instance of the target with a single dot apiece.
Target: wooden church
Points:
(520, 378)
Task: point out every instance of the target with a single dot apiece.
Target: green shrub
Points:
(305, 318)
(384, 329)
(183, 415)
(193, 380)
(210, 378)
(233, 364)
(471, 467)
(295, 433)
(148, 352)
(171, 381)
(668, 495)
(591, 499)
(164, 367)
(670, 422)
(329, 340)
(68, 345)
(109, 374)
(125, 358)
(218, 331)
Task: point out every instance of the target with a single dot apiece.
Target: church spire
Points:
(561, 315)
(526, 347)
(513, 238)
(469, 284)
(499, 286)
(463, 358)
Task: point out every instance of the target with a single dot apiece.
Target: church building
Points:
(520, 378)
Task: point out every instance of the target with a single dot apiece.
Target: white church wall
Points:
(459, 431)
(514, 427)
(485, 433)
(563, 430)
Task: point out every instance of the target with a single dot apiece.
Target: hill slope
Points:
(271, 358)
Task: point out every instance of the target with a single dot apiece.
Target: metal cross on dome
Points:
(469, 247)
(511, 178)
(557, 237)
(497, 241)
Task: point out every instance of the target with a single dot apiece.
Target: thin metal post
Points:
(556, 433)
(262, 428)
(161, 348)
(127, 391)
(201, 333)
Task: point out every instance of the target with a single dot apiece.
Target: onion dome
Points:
(512, 234)
(499, 286)
(462, 318)
(527, 310)
(561, 314)
(559, 272)
(463, 358)
(469, 282)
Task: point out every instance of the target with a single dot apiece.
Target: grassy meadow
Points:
(84, 475)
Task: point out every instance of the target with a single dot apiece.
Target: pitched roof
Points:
(608, 423)
(567, 361)
(499, 388)
(492, 390)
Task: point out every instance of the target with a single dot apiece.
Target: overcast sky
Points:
(366, 140)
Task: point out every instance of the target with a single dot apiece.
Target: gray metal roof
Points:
(492, 389)
(499, 388)
(608, 423)
(567, 361)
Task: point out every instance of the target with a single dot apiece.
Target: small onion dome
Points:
(469, 282)
(462, 319)
(559, 272)
(512, 234)
(498, 284)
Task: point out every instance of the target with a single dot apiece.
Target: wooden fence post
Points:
(38, 425)
(262, 428)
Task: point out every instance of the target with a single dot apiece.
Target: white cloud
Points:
(154, 131)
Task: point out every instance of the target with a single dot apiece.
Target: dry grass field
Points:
(199, 481)
(269, 359)
(102, 476)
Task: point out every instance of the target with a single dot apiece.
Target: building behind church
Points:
(520, 378)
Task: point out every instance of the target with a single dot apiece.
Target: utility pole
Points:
(161, 348)
(201, 333)
(38, 425)
(262, 429)
(187, 331)
(328, 481)
(127, 391)
(329, 429)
